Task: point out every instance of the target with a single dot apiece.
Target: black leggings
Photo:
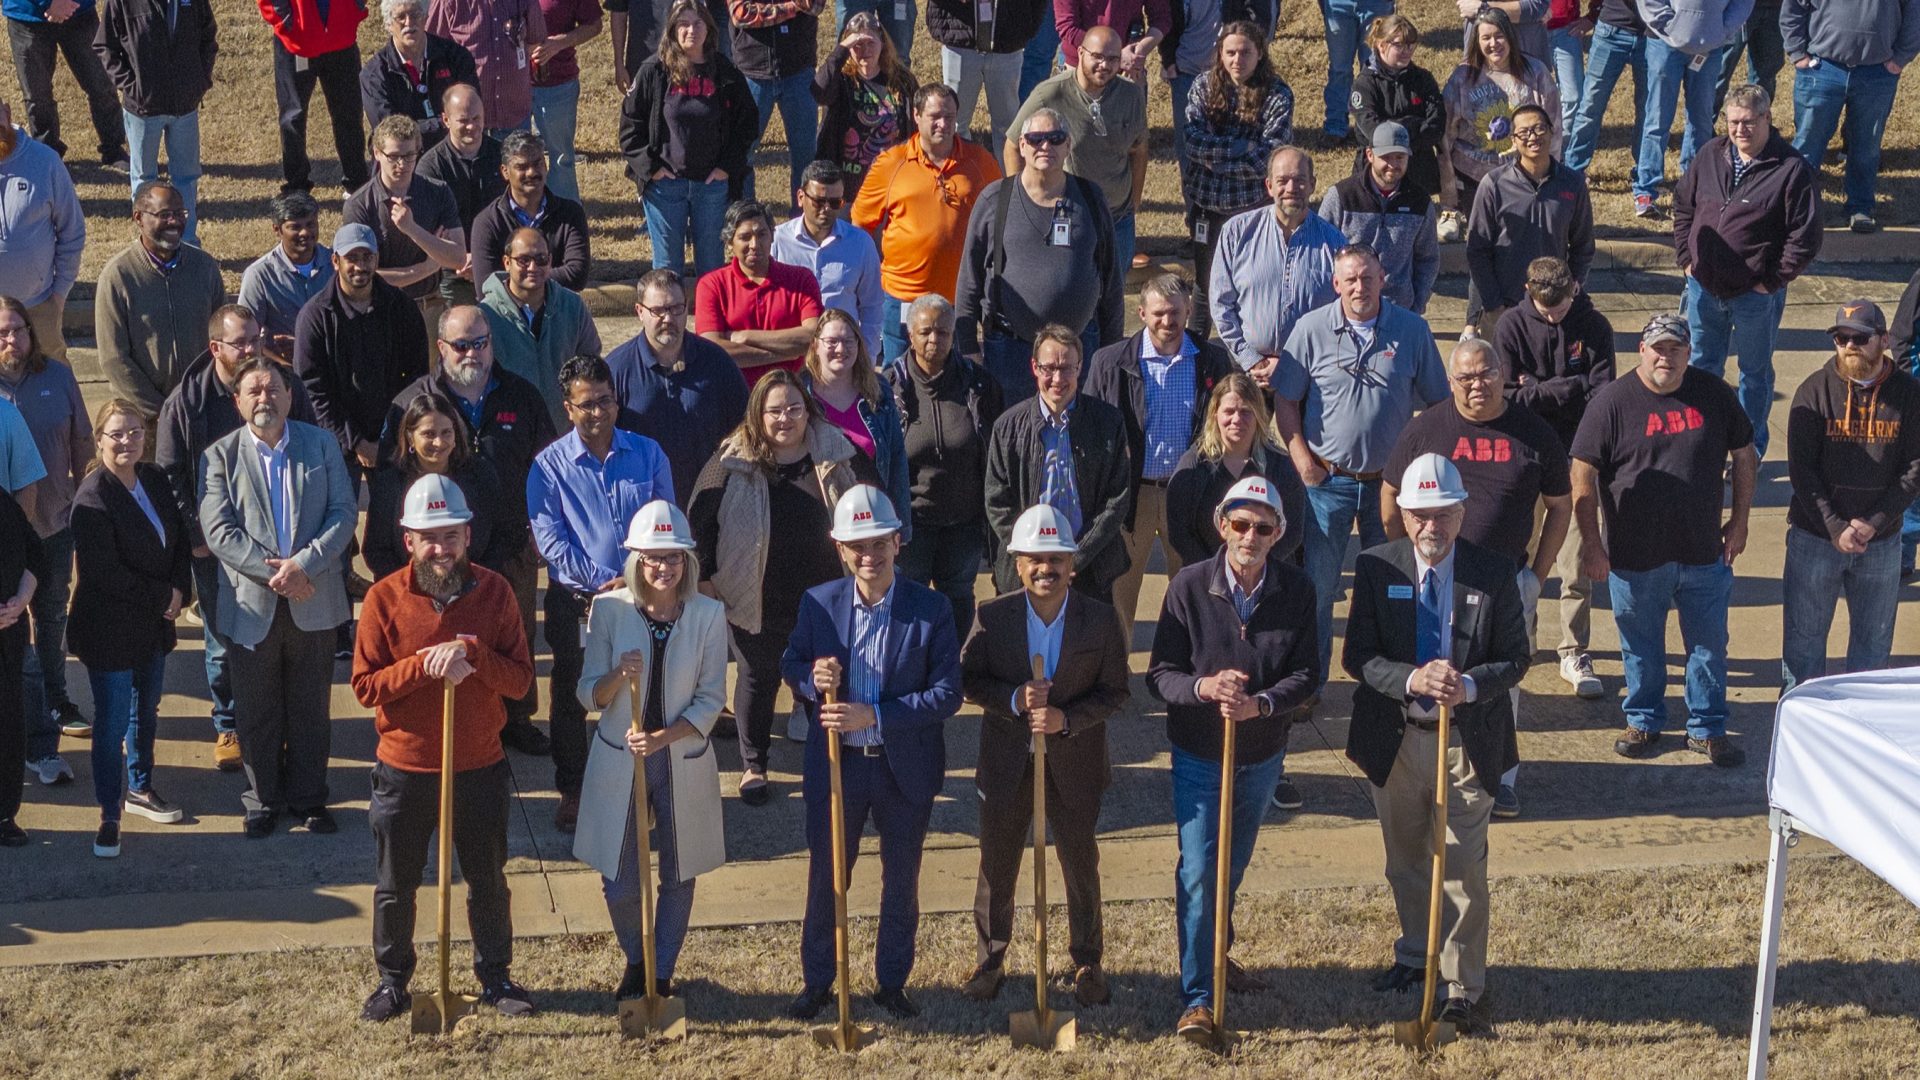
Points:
(756, 688)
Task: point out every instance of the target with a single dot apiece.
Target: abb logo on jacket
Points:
(1483, 449)
(1674, 421)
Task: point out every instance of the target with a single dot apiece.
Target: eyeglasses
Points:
(526, 261)
(831, 202)
(663, 560)
(400, 155)
(669, 311)
(1244, 526)
(468, 345)
(600, 404)
(244, 345)
(130, 435)
(1099, 118)
(1471, 378)
(1853, 340)
(947, 194)
(166, 215)
(1530, 134)
(1038, 139)
(791, 412)
(1056, 371)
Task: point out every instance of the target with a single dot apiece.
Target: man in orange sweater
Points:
(437, 618)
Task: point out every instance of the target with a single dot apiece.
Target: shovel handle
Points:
(1223, 873)
(444, 886)
(1437, 883)
(837, 818)
(643, 841)
(1040, 860)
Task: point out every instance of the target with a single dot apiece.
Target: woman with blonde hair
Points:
(1237, 441)
(658, 635)
(134, 570)
(840, 375)
(868, 94)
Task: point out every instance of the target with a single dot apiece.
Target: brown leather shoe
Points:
(1242, 981)
(567, 816)
(226, 752)
(1090, 985)
(983, 984)
(1196, 1024)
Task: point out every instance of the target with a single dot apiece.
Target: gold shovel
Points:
(1427, 1033)
(440, 1012)
(1222, 1037)
(844, 1036)
(1040, 1026)
(651, 1016)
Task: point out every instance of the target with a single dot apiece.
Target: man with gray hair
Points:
(1160, 380)
(1509, 459)
(948, 404)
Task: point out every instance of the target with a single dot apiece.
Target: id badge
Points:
(1062, 230)
(1200, 231)
(899, 11)
(983, 11)
(300, 63)
(1699, 61)
(520, 57)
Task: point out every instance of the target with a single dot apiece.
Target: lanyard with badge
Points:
(1062, 232)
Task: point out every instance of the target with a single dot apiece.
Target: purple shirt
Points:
(562, 16)
(496, 33)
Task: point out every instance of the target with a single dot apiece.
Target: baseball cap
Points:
(1666, 326)
(354, 237)
(1863, 316)
(1392, 138)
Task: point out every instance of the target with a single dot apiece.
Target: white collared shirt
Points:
(1043, 639)
(1443, 584)
(276, 473)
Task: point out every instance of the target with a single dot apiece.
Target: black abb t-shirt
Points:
(1660, 459)
(1506, 465)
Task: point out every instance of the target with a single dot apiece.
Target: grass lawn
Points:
(1644, 974)
(240, 147)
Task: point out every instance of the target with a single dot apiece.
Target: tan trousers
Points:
(45, 318)
(1405, 806)
(1149, 523)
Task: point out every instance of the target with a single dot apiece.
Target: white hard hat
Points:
(659, 526)
(863, 513)
(1254, 489)
(1042, 530)
(434, 502)
(1430, 483)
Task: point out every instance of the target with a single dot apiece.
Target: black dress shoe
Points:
(386, 1002)
(1398, 978)
(261, 826)
(317, 821)
(11, 834)
(896, 1002)
(523, 736)
(633, 983)
(807, 1004)
(1457, 1011)
(663, 987)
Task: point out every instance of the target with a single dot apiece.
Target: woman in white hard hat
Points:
(430, 441)
(659, 631)
(774, 481)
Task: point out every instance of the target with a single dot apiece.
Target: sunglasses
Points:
(1037, 139)
(1257, 528)
(1855, 340)
(833, 202)
(467, 345)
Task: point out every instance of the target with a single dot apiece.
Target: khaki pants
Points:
(45, 318)
(1405, 806)
(1149, 522)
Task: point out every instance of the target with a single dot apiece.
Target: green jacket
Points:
(566, 331)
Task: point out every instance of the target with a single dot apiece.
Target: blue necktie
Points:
(1428, 626)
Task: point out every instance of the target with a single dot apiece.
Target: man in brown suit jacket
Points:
(1085, 683)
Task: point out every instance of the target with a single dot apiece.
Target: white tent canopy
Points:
(1845, 767)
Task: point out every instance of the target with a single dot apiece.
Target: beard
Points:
(440, 584)
(464, 376)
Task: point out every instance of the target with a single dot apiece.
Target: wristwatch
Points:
(1266, 706)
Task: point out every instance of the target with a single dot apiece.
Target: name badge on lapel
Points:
(1473, 599)
(1399, 592)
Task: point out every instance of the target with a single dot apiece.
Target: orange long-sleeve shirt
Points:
(918, 213)
(397, 620)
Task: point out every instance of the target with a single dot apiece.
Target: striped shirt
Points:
(867, 653)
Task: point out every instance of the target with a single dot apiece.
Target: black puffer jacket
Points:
(1409, 97)
(951, 23)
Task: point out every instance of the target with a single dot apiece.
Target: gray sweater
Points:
(1039, 283)
(42, 229)
(151, 325)
(1851, 32)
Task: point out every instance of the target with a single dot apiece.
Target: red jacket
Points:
(304, 31)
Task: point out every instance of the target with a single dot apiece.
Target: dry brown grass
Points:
(1644, 974)
(241, 151)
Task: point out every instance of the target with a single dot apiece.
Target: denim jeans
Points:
(1866, 93)
(126, 711)
(1182, 87)
(947, 558)
(1569, 62)
(1196, 812)
(182, 136)
(206, 587)
(896, 15)
(893, 335)
(1641, 601)
(1748, 326)
(968, 72)
(1334, 508)
(1124, 239)
(676, 207)
(1817, 575)
(1759, 41)
(556, 111)
(1042, 52)
(673, 909)
(798, 115)
(1669, 77)
(1613, 51)
(1346, 22)
(43, 674)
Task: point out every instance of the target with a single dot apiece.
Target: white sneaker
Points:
(52, 769)
(1452, 227)
(1577, 670)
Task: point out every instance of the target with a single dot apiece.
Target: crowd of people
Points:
(825, 432)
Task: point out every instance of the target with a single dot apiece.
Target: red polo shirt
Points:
(727, 300)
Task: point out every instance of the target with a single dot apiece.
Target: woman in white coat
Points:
(657, 632)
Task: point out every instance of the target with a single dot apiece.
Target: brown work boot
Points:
(1090, 985)
(1196, 1024)
(1242, 981)
(983, 984)
(226, 752)
(1718, 749)
(1636, 743)
(567, 815)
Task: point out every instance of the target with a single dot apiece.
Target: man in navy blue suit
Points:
(884, 647)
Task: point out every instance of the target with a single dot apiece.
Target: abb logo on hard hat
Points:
(437, 504)
(663, 526)
(863, 515)
(1257, 489)
(1429, 485)
(1048, 530)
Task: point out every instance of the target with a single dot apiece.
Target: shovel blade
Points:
(847, 1038)
(434, 1015)
(1430, 1036)
(653, 1017)
(1056, 1032)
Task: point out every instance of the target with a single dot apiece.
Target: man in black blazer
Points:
(1085, 683)
(1066, 449)
(1435, 621)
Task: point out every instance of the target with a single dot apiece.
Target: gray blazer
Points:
(238, 523)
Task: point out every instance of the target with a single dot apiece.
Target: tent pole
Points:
(1780, 830)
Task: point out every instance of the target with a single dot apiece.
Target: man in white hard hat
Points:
(884, 647)
(1237, 642)
(1436, 622)
(1084, 683)
(440, 618)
